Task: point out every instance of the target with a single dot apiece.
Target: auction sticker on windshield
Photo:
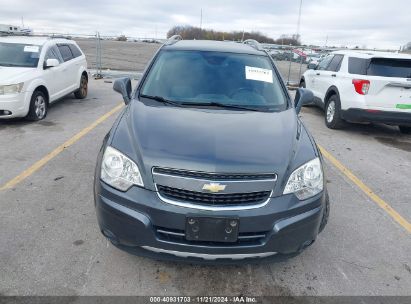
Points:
(253, 73)
(31, 48)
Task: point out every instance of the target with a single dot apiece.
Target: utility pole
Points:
(299, 20)
(298, 40)
(201, 23)
(201, 19)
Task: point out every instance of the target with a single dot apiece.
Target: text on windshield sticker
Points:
(253, 73)
(31, 48)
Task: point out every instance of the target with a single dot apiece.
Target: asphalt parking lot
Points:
(50, 243)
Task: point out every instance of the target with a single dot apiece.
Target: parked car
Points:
(209, 160)
(359, 86)
(313, 59)
(36, 71)
(283, 56)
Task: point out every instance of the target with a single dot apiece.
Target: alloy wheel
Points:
(330, 111)
(40, 106)
(83, 86)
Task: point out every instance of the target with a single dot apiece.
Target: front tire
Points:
(405, 129)
(81, 93)
(38, 106)
(333, 118)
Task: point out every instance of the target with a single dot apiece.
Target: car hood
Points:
(13, 75)
(209, 140)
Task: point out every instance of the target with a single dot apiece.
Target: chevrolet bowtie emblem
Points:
(214, 187)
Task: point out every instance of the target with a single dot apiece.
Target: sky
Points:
(371, 23)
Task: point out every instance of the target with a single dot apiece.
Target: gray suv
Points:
(209, 161)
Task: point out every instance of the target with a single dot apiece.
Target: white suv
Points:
(35, 71)
(359, 86)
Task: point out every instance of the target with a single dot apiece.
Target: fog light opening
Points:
(109, 235)
(306, 244)
(5, 112)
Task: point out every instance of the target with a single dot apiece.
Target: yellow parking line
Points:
(37, 165)
(374, 197)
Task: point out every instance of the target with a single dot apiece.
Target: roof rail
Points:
(173, 39)
(254, 44)
(60, 37)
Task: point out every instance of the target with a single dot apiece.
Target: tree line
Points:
(191, 32)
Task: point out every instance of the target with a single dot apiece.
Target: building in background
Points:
(8, 29)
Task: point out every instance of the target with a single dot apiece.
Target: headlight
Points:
(119, 171)
(11, 89)
(306, 181)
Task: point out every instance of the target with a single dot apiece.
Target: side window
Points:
(335, 63)
(75, 50)
(65, 52)
(325, 62)
(358, 66)
(53, 53)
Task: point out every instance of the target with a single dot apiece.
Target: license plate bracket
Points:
(212, 229)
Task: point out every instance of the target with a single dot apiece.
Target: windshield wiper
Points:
(201, 104)
(221, 105)
(161, 99)
(9, 65)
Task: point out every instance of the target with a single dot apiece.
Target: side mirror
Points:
(311, 66)
(123, 86)
(302, 97)
(51, 63)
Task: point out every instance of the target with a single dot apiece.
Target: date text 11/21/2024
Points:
(203, 299)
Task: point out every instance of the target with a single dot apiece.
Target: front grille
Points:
(210, 199)
(178, 236)
(214, 176)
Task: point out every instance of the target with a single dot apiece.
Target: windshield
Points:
(19, 55)
(199, 77)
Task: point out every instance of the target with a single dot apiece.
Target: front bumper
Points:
(17, 104)
(131, 220)
(377, 116)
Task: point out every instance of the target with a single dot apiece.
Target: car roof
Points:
(213, 46)
(372, 54)
(34, 40)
